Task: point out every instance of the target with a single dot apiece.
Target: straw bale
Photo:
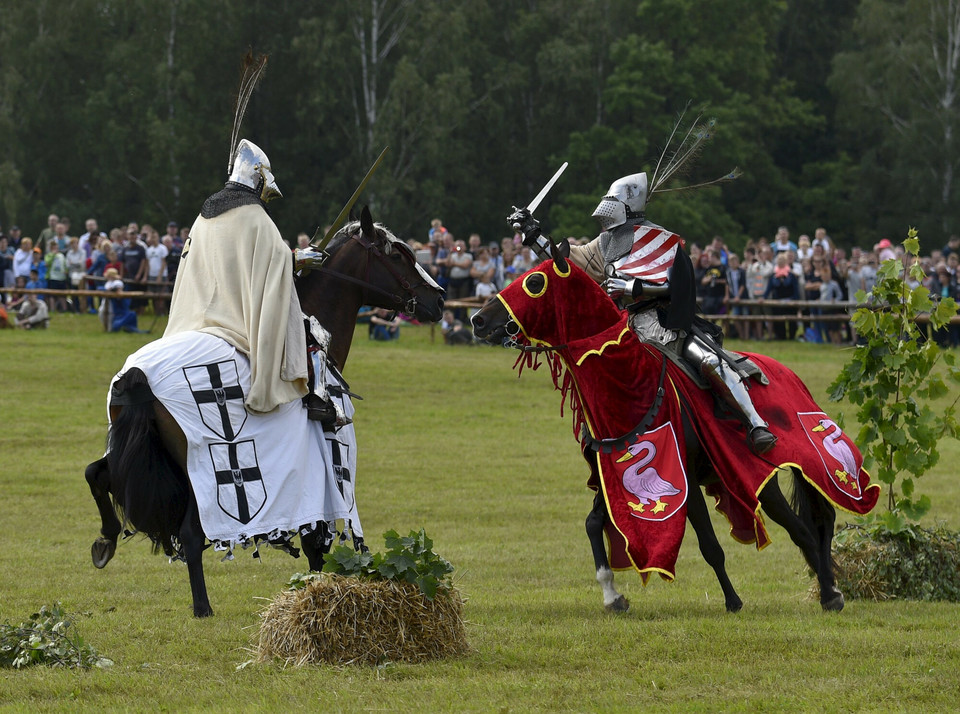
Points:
(337, 619)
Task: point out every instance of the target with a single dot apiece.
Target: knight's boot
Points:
(320, 407)
(729, 386)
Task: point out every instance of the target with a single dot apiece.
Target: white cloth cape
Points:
(252, 474)
(235, 281)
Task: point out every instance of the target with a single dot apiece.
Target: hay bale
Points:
(337, 619)
(915, 563)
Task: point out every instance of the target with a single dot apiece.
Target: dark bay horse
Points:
(555, 306)
(143, 479)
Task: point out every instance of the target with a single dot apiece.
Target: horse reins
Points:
(605, 446)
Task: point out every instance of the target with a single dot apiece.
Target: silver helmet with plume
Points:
(251, 168)
(626, 198)
(248, 164)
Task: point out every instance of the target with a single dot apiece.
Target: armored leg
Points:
(729, 386)
(320, 407)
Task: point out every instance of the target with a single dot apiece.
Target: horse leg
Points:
(775, 505)
(192, 541)
(814, 510)
(316, 545)
(596, 519)
(700, 469)
(699, 516)
(98, 478)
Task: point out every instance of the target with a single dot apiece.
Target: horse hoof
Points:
(203, 611)
(102, 551)
(621, 604)
(735, 606)
(834, 604)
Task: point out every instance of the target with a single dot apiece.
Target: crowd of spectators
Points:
(766, 273)
(135, 257)
(782, 270)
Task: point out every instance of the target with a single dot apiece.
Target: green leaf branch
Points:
(407, 558)
(893, 375)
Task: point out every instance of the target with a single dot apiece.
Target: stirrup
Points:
(761, 440)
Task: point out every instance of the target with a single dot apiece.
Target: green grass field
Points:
(450, 440)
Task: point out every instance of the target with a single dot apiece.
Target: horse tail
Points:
(150, 490)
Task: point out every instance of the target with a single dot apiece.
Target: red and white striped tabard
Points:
(651, 255)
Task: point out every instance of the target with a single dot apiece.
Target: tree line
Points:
(839, 113)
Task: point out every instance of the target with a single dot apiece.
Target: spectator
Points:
(6, 265)
(884, 250)
(174, 252)
(441, 259)
(76, 269)
(811, 291)
(303, 241)
(173, 232)
(804, 249)
(720, 248)
(13, 237)
(33, 313)
(17, 297)
(482, 273)
(436, 231)
(945, 286)
(22, 258)
(453, 331)
(523, 261)
(383, 327)
(115, 313)
(782, 242)
(821, 238)
(56, 272)
(783, 285)
(829, 292)
(736, 289)
(758, 272)
(47, 233)
(711, 282)
(38, 268)
(60, 233)
(497, 259)
(473, 244)
(133, 265)
(156, 254)
(91, 239)
(460, 283)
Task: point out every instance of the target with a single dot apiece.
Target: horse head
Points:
(553, 303)
(380, 267)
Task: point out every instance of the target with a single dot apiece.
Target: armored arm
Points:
(630, 290)
(308, 258)
(522, 220)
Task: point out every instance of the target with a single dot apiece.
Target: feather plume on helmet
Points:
(683, 157)
(248, 165)
(628, 196)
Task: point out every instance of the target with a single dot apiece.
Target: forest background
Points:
(841, 113)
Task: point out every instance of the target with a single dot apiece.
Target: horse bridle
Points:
(511, 342)
(408, 300)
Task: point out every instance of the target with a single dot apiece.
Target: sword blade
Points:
(532, 206)
(321, 244)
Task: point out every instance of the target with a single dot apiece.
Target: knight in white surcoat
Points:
(236, 281)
